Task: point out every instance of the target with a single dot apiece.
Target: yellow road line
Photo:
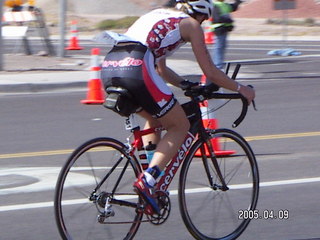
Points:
(35, 154)
(281, 136)
(68, 151)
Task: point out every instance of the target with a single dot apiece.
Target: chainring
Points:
(165, 208)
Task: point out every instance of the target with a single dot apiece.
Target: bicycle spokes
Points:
(213, 189)
(95, 191)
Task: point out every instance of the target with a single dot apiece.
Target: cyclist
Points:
(140, 66)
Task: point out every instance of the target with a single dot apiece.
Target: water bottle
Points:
(150, 148)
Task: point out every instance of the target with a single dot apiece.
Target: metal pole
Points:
(62, 26)
(1, 44)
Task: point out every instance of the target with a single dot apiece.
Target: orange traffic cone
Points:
(208, 33)
(210, 122)
(95, 93)
(73, 43)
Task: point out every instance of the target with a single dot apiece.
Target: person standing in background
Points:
(222, 24)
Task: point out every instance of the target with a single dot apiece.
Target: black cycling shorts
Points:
(132, 67)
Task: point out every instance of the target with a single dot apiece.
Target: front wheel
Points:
(94, 198)
(211, 208)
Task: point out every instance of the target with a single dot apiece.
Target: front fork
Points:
(209, 154)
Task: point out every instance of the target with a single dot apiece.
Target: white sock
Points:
(150, 180)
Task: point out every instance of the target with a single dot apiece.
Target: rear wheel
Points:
(209, 209)
(94, 198)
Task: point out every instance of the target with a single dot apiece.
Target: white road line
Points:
(27, 206)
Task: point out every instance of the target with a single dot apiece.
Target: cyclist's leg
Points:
(150, 122)
(177, 125)
(166, 110)
(163, 107)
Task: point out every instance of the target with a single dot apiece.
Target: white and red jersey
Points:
(131, 65)
(159, 31)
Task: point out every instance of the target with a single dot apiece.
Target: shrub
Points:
(294, 22)
(310, 21)
(116, 23)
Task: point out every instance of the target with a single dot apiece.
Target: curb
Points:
(78, 80)
(37, 87)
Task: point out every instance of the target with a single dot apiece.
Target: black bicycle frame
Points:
(197, 130)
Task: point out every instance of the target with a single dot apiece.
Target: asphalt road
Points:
(40, 130)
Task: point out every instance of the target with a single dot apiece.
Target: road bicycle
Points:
(94, 197)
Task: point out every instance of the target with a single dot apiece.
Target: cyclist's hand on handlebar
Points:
(248, 92)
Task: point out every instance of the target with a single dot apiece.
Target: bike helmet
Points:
(199, 6)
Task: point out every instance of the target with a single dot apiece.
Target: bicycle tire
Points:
(75, 213)
(210, 213)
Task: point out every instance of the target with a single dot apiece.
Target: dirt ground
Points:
(243, 27)
(250, 19)
(260, 27)
(20, 63)
(86, 22)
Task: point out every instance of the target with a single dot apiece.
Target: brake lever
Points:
(253, 102)
(254, 105)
